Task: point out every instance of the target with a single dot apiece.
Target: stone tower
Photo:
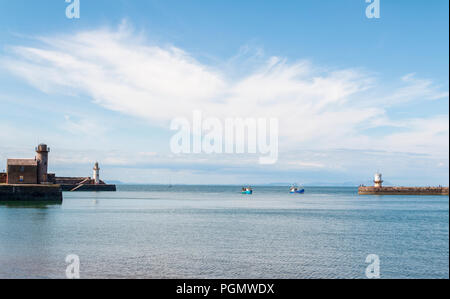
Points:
(96, 174)
(42, 158)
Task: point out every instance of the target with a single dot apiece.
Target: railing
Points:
(81, 184)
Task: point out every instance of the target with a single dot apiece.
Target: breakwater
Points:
(403, 190)
(88, 187)
(31, 193)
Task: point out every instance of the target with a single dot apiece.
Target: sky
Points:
(353, 95)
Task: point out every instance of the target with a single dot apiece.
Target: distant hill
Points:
(332, 184)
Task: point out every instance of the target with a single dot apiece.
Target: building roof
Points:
(22, 162)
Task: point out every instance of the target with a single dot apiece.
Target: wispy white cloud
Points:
(307, 165)
(426, 136)
(84, 126)
(414, 88)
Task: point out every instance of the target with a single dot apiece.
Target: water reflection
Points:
(29, 204)
(27, 239)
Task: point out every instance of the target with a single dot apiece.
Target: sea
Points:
(198, 232)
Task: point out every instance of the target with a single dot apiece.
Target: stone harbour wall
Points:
(403, 190)
(30, 193)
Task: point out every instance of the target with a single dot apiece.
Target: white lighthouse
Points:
(378, 180)
(96, 174)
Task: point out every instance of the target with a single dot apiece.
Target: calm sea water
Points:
(215, 232)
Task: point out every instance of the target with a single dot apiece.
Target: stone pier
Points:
(30, 193)
(403, 191)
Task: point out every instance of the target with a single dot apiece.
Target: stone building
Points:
(22, 171)
(27, 171)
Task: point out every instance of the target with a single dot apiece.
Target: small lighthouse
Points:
(378, 180)
(96, 174)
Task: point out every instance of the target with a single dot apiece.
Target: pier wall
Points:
(70, 180)
(403, 190)
(82, 184)
(90, 188)
(30, 193)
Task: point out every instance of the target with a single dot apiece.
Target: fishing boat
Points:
(296, 190)
(247, 190)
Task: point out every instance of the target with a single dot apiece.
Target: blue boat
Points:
(296, 190)
(247, 190)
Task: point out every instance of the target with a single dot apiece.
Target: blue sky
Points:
(376, 89)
